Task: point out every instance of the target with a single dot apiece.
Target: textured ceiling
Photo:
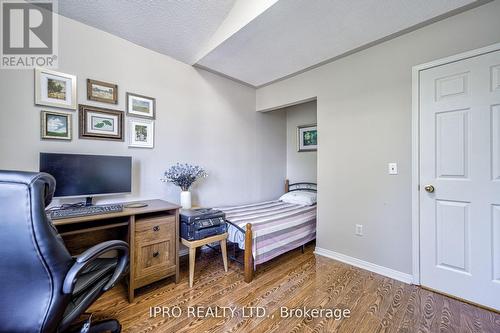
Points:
(268, 41)
(295, 34)
(177, 28)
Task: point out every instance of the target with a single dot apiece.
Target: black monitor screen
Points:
(87, 175)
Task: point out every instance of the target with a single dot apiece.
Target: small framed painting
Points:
(102, 91)
(140, 106)
(99, 123)
(56, 125)
(307, 138)
(141, 133)
(55, 89)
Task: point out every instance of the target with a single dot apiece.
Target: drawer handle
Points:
(156, 254)
(156, 228)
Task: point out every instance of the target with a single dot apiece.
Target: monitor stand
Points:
(88, 202)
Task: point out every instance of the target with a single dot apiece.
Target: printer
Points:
(202, 223)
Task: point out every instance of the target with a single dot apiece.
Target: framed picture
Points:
(307, 138)
(141, 133)
(56, 125)
(55, 89)
(99, 123)
(140, 106)
(102, 91)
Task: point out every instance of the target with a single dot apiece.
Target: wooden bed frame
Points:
(248, 253)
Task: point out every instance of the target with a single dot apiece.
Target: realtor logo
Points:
(28, 34)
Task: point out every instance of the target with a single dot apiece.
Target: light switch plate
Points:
(359, 230)
(393, 168)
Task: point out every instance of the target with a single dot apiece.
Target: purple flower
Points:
(184, 175)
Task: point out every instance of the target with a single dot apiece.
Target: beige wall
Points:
(364, 119)
(300, 166)
(201, 118)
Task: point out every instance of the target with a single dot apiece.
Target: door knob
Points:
(429, 188)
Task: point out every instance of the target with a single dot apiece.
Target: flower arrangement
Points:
(184, 175)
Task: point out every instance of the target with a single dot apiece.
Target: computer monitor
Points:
(88, 175)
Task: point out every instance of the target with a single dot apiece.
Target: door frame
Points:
(415, 146)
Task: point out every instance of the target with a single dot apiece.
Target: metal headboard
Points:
(301, 186)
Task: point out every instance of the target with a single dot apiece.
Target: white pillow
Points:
(306, 198)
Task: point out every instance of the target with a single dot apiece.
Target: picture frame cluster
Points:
(59, 90)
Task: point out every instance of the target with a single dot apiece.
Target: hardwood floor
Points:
(294, 280)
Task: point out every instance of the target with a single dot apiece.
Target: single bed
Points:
(268, 229)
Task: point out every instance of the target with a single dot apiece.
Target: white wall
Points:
(201, 118)
(300, 166)
(364, 122)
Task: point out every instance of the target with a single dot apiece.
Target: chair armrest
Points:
(93, 253)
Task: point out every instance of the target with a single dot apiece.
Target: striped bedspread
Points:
(277, 227)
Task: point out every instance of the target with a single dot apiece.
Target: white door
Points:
(460, 158)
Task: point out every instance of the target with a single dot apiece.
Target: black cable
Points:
(66, 206)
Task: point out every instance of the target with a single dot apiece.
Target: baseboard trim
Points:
(389, 272)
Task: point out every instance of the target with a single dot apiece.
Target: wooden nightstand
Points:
(192, 245)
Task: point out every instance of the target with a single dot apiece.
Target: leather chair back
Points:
(33, 258)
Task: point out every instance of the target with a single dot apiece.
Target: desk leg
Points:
(192, 259)
(131, 243)
(224, 253)
(177, 246)
(131, 295)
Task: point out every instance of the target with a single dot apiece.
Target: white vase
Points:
(186, 199)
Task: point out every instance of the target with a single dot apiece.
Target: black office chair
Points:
(42, 288)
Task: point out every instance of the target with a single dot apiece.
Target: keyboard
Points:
(84, 211)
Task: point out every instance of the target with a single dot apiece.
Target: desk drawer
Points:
(154, 258)
(155, 229)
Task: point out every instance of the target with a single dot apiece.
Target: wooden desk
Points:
(151, 231)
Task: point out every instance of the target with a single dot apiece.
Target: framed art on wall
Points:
(55, 89)
(141, 133)
(100, 123)
(100, 91)
(140, 106)
(307, 138)
(56, 125)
